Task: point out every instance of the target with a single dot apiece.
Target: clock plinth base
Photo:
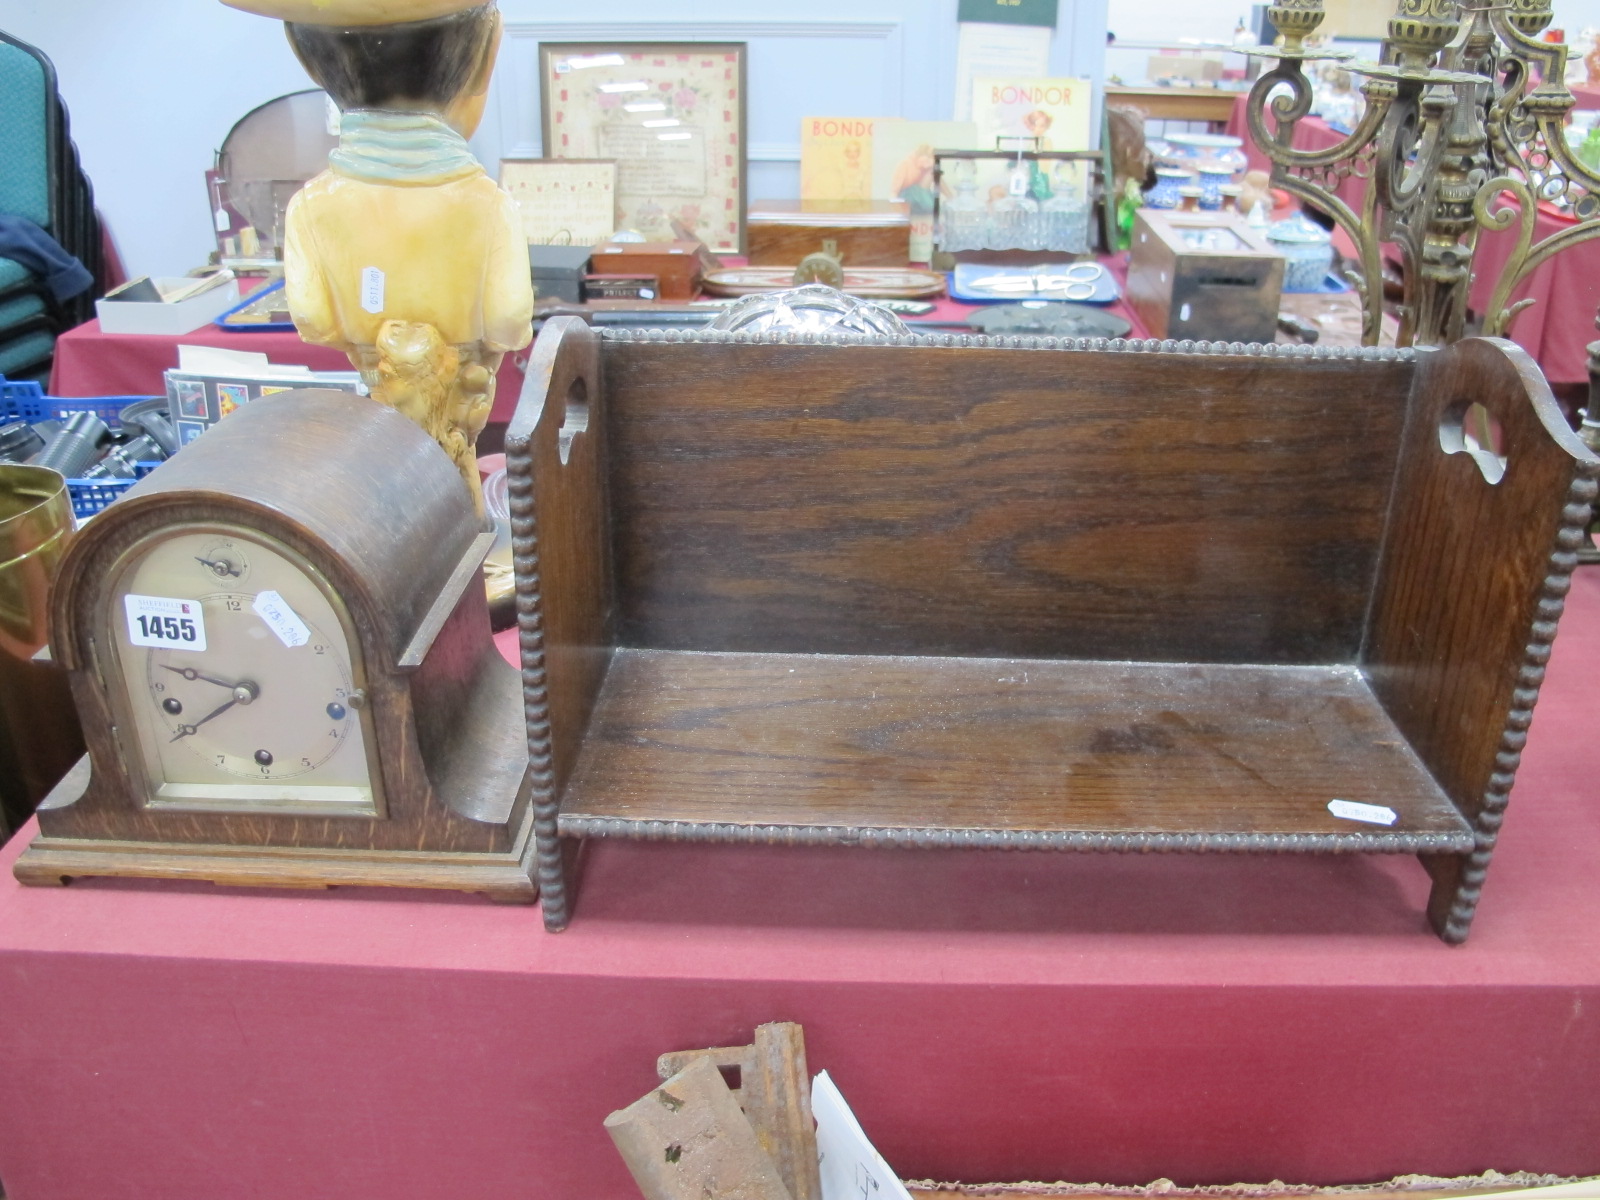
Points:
(53, 861)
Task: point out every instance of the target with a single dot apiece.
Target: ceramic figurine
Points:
(404, 253)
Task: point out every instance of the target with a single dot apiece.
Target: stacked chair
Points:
(40, 180)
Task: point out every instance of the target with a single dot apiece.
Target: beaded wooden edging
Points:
(1014, 839)
(1013, 342)
(1530, 677)
(535, 694)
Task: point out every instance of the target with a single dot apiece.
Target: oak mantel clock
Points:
(279, 648)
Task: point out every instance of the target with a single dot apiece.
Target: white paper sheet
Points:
(851, 1168)
(997, 50)
(214, 360)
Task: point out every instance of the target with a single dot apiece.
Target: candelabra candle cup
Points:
(1296, 20)
(1189, 199)
(1230, 193)
(1168, 183)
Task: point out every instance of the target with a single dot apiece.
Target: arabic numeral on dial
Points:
(222, 760)
(305, 762)
(334, 733)
(233, 606)
(159, 687)
(319, 649)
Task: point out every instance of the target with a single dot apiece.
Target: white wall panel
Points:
(154, 85)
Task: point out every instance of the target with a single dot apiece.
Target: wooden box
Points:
(1203, 275)
(859, 233)
(676, 265)
(1032, 593)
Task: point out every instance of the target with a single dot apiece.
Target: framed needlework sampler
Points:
(566, 202)
(672, 115)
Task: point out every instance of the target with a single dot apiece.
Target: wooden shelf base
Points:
(1019, 753)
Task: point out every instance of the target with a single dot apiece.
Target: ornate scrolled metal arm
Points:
(1464, 130)
(1286, 110)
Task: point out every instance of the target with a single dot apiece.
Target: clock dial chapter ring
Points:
(249, 705)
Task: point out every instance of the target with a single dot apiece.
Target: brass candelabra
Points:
(1464, 130)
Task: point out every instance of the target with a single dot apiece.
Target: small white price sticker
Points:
(281, 619)
(372, 290)
(1372, 814)
(165, 623)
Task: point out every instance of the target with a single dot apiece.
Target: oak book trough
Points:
(1035, 594)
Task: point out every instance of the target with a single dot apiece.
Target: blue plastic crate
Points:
(26, 400)
(89, 496)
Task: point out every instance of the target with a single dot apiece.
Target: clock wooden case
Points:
(279, 648)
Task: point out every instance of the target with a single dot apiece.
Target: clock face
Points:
(244, 691)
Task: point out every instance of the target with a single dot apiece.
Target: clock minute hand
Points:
(185, 730)
(243, 694)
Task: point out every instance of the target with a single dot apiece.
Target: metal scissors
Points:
(1075, 281)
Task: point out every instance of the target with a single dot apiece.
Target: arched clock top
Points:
(353, 487)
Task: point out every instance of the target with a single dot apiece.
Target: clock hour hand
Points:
(191, 673)
(244, 693)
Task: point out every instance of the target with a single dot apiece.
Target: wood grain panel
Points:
(976, 744)
(1471, 586)
(918, 500)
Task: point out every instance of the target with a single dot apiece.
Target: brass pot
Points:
(39, 733)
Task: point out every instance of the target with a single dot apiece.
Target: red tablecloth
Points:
(1587, 95)
(1565, 290)
(989, 1015)
(91, 362)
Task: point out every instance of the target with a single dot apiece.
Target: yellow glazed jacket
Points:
(451, 255)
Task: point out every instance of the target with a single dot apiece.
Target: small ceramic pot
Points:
(1165, 192)
(1307, 250)
(1212, 180)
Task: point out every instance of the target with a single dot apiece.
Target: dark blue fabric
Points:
(24, 242)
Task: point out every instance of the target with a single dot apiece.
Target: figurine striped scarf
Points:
(400, 148)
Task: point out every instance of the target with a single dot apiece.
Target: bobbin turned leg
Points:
(1457, 884)
(555, 472)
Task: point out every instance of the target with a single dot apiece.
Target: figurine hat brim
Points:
(354, 12)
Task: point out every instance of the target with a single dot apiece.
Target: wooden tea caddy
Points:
(1034, 593)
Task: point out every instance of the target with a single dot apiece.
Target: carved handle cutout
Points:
(1473, 429)
(574, 420)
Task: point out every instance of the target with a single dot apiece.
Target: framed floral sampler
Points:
(672, 115)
